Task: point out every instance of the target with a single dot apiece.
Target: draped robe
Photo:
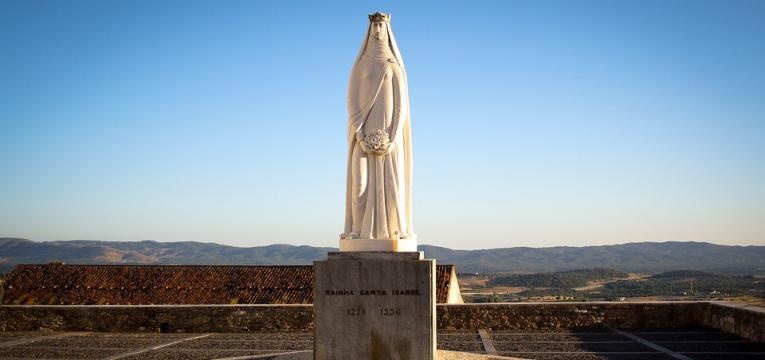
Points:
(378, 190)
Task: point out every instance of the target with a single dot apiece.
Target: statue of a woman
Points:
(378, 210)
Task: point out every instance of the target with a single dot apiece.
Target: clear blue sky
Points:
(535, 123)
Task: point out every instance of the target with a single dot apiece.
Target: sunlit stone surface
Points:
(375, 305)
(376, 298)
(378, 211)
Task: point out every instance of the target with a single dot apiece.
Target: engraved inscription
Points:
(343, 292)
(409, 292)
(359, 311)
(390, 311)
(372, 292)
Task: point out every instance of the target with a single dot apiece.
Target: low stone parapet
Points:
(746, 321)
(565, 315)
(157, 318)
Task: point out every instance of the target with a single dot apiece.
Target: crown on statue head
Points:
(379, 17)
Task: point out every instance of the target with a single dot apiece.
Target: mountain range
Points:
(645, 257)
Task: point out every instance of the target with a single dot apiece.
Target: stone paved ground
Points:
(589, 344)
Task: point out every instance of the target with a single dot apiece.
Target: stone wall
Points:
(157, 318)
(743, 320)
(528, 316)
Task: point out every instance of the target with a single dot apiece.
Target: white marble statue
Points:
(378, 210)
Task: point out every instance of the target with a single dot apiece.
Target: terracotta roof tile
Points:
(169, 284)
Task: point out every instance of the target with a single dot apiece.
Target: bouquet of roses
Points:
(377, 141)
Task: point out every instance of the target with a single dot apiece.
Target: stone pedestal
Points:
(400, 245)
(375, 305)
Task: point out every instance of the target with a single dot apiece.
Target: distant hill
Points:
(17, 251)
(683, 282)
(609, 284)
(561, 279)
(647, 257)
(633, 257)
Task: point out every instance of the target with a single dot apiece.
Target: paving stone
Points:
(612, 356)
(77, 342)
(262, 336)
(570, 347)
(558, 345)
(56, 353)
(717, 356)
(712, 346)
(282, 345)
(24, 334)
(174, 354)
(557, 337)
(470, 346)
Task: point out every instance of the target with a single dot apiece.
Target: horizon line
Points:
(331, 247)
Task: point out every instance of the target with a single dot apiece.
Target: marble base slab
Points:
(378, 245)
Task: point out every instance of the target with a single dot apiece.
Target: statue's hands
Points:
(384, 151)
(364, 147)
(389, 148)
(360, 140)
(380, 146)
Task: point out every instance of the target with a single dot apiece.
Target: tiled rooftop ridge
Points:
(63, 284)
